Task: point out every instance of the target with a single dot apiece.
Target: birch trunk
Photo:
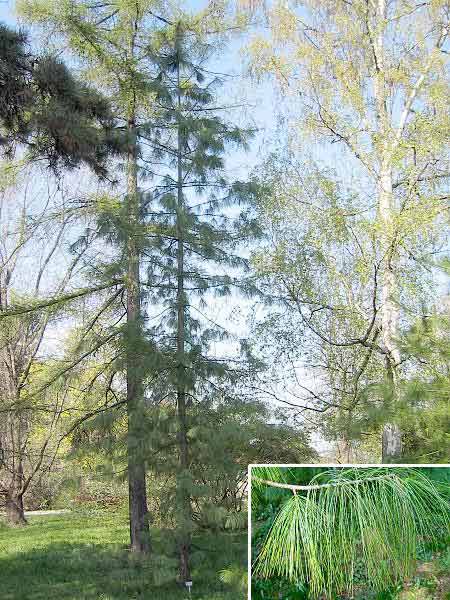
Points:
(391, 437)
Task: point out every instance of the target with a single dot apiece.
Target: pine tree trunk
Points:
(15, 515)
(391, 437)
(137, 494)
(183, 492)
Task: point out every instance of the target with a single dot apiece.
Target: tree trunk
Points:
(183, 492)
(391, 437)
(138, 511)
(392, 443)
(15, 515)
(389, 305)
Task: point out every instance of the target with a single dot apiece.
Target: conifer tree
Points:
(120, 45)
(425, 395)
(112, 42)
(197, 241)
(43, 107)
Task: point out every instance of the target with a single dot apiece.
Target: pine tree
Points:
(424, 394)
(321, 531)
(121, 46)
(197, 237)
(113, 43)
(55, 116)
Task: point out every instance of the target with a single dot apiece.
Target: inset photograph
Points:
(341, 532)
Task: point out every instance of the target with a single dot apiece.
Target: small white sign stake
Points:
(188, 584)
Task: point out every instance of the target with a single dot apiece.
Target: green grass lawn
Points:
(78, 557)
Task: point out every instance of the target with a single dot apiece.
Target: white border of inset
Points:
(310, 465)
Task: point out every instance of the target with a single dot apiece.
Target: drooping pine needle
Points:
(344, 517)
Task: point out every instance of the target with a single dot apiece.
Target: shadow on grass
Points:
(75, 571)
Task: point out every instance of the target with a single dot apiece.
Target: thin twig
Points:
(294, 488)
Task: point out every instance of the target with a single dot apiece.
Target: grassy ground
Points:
(75, 557)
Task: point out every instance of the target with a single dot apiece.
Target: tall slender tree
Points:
(112, 41)
(199, 240)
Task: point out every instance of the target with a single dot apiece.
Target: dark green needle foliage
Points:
(192, 229)
(425, 392)
(194, 201)
(43, 107)
(321, 533)
(422, 407)
(198, 225)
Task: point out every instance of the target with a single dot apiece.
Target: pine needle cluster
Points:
(378, 516)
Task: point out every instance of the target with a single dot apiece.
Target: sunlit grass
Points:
(85, 558)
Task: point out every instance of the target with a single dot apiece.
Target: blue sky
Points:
(7, 11)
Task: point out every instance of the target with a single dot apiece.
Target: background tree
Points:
(424, 398)
(30, 248)
(370, 78)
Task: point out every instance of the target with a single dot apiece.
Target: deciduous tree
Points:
(368, 77)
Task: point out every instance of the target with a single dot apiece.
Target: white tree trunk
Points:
(391, 443)
(389, 302)
(392, 438)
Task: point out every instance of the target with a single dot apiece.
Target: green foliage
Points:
(44, 107)
(273, 588)
(425, 393)
(422, 406)
(236, 577)
(349, 261)
(225, 435)
(194, 205)
(372, 519)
